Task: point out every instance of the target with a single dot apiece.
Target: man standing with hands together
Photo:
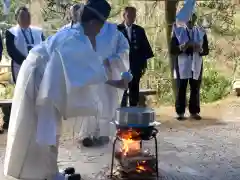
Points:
(189, 44)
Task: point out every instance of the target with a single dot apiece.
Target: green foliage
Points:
(8, 92)
(219, 14)
(214, 85)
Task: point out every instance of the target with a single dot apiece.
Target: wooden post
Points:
(170, 14)
(35, 7)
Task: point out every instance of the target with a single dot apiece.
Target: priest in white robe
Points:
(95, 132)
(21, 38)
(59, 80)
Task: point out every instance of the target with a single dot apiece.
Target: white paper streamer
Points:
(6, 6)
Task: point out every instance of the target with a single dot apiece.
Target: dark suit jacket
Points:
(140, 49)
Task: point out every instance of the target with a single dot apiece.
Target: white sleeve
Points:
(48, 124)
(121, 57)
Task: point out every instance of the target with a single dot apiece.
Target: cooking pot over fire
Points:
(135, 117)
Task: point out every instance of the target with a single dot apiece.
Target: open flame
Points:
(130, 142)
(131, 148)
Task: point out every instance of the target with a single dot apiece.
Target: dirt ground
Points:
(214, 113)
(189, 150)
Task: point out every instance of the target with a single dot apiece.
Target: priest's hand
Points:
(183, 47)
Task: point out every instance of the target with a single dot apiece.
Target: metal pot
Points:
(135, 117)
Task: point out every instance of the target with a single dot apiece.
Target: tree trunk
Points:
(170, 14)
(35, 7)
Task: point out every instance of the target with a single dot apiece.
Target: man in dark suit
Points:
(140, 52)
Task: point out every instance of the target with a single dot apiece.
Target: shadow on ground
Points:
(169, 122)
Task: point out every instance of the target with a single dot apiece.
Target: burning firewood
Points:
(134, 163)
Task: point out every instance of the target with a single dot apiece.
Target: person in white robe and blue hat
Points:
(189, 44)
(61, 79)
(95, 132)
(21, 38)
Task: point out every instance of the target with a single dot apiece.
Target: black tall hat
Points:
(102, 7)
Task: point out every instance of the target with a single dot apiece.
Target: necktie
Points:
(28, 38)
(129, 33)
(27, 35)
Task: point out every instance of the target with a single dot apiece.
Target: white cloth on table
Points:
(190, 66)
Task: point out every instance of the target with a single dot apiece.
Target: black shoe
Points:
(74, 177)
(100, 141)
(87, 142)
(69, 170)
(196, 116)
(180, 117)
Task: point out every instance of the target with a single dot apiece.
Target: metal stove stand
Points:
(153, 135)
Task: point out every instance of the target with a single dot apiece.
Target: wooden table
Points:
(143, 93)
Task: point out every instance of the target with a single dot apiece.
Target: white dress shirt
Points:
(129, 31)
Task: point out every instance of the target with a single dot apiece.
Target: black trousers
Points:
(194, 101)
(133, 89)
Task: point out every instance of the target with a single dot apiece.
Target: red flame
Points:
(131, 147)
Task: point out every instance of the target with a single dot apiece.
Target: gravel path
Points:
(187, 151)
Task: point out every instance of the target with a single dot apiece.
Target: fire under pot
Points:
(134, 126)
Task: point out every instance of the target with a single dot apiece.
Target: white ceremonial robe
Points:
(57, 80)
(21, 44)
(111, 45)
(190, 66)
(24, 158)
(69, 25)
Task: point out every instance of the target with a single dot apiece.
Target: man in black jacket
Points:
(21, 38)
(140, 52)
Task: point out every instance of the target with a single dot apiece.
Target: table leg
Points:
(142, 101)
